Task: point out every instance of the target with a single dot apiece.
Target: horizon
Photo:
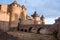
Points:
(49, 8)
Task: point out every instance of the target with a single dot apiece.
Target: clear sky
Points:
(49, 8)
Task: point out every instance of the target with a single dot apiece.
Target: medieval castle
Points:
(15, 13)
(14, 17)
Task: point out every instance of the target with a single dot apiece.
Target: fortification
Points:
(14, 14)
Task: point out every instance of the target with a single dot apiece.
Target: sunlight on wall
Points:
(4, 17)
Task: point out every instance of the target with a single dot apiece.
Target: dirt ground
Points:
(31, 36)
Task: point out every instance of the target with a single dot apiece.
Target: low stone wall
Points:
(41, 29)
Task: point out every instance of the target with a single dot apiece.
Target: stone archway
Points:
(25, 30)
(30, 29)
(19, 23)
(22, 30)
(38, 31)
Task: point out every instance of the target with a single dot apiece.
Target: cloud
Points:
(49, 8)
(50, 20)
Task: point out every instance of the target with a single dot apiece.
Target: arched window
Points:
(30, 29)
(21, 29)
(38, 31)
(25, 30)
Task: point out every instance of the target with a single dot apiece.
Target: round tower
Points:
(35, 17)
(23, 13)
(16, 8)
(15, 11)
(42, 19)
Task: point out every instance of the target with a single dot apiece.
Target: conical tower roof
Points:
(35, 14)
(42, 17)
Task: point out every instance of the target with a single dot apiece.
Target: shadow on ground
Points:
(6, 36)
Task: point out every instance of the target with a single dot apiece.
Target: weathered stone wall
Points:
(4, 17)
(27, 22)
(4, 25)
(58, 31)
(4, 21)
(49, 29)
(16, 10)
(4, 7)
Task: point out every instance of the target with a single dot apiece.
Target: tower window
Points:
(25, 30)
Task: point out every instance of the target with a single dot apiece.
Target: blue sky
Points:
(49, 8)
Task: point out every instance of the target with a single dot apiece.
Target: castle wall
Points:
(4, 7)
(27, 22)
(4, 21)
(16, 10)
(14, 22)
(58, 35)
(4, 17)
(57, 23)
(23, 14)
(4, 25)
